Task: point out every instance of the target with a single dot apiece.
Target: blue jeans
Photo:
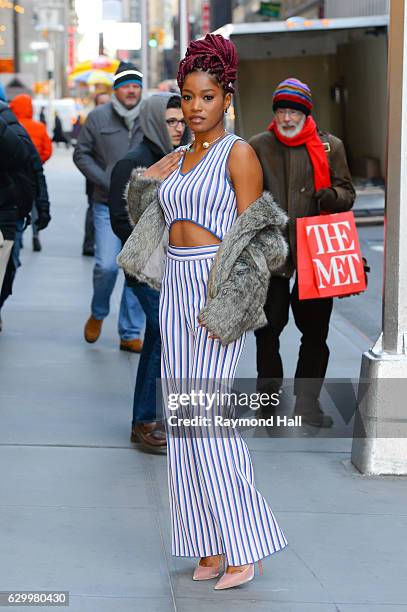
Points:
(149, 368)
(18, 242)
(108, 246)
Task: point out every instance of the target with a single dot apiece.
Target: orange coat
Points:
(22, 107)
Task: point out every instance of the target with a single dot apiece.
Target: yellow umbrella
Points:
(92, 77)
(98, 77)
(100, 63)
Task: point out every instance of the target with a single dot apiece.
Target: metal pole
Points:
(101, 44)
(395, 285)
(144, 43)
(51, 79)
(380, 432)
(183, 27)
(16, 38)
(221, 13)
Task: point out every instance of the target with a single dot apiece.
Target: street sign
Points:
(30, 58)
(270, 9)
(7, 64)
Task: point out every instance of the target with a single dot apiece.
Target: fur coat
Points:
(238, 282)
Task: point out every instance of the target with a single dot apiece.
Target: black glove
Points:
(326, 199)
(43, 218)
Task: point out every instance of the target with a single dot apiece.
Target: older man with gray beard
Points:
(307, 172)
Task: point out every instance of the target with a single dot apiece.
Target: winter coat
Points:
(35, 172)
(145, 155)
(14, 157)
(103, 141)
(238, 281)
(288, 173)
(155, 144)
(22, 107)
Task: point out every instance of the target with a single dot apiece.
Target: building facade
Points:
(29, 35)
(255, 10)
(356, 8)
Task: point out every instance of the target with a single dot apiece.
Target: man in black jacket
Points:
(13, 157)
(28, 183)
(34, 172)
(163, 127)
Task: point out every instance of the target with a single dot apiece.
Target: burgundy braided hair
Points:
(213, 54)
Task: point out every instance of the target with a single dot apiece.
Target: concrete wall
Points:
(257, 81)
(360, 67)
(363, 66)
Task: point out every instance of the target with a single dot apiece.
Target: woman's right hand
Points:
(163, 168)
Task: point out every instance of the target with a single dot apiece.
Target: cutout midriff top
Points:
(204, 195)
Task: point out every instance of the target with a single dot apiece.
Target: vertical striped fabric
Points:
(203, 195)
(215, 506)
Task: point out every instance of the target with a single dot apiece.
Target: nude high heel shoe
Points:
(209, 572)
(228, 581)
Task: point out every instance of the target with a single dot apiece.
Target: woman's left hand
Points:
(211, 336)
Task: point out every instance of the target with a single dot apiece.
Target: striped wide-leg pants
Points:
(215, 506)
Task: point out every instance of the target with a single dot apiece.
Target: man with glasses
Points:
(296, 159)
(163, 126)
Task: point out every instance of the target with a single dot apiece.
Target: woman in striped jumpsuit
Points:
(217, 512)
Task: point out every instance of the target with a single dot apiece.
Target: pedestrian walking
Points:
(308, 173)
(163, 126)
(110, 131)
(210, 194)
(30, 184)
(22, 107)
(42, 116)
(13, 157)
(88, 246)
(58, 133)
(76, 128)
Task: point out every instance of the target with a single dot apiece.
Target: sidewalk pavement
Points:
(84, 511)
(369, 205)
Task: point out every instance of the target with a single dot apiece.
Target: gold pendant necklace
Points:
(205, 145)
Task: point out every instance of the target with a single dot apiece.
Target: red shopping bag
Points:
(329, 261)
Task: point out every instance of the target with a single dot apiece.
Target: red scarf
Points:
(309, 137)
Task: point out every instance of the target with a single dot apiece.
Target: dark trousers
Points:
(312, 319)
(89, 237)
(149, 367)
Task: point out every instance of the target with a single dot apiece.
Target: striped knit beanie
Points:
(291, 93)
(127, 73)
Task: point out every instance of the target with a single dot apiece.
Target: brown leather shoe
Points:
(132, 346)
(151, 437)
(93, 328)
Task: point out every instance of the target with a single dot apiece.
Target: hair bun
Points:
(214, 54)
